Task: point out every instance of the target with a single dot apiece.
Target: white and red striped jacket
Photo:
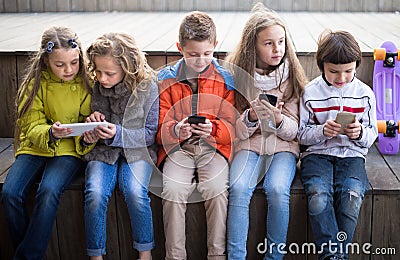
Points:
(321, 102)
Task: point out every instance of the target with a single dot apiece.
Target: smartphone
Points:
(345, 118)
(272, 99)
(195, 119)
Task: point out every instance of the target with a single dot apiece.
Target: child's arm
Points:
(169, 127)
(287, 130)
(34, 123)
(369, 129)
(139, 137)
(223, 128)
(36, 130)
(244, 127)
(309, 132)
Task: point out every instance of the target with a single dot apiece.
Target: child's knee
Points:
(212, 189)
(177, 192)
(318, 197)
(317, 203)
(355, 187)
(352, 194)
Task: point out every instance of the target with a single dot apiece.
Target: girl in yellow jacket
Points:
(54, 91)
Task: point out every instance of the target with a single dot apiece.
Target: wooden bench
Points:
(379, 222)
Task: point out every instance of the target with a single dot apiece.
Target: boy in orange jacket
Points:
(198, 150)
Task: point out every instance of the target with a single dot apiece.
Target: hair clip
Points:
(72, 43)
(49, 47)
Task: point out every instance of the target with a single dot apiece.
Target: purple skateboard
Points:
(386, 86)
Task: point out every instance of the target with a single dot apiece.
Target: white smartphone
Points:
(345, 118)
(79, 128)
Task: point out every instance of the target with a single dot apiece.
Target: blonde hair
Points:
(123, 48)
(52, 38)
(244, 55)
(197, 26)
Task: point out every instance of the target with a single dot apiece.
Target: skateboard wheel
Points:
(398, 126)
(381, 126)
(398, 54)
(379, 54)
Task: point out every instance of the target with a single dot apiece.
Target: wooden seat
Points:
(379, 222)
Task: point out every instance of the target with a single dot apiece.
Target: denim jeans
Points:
(335, 189)
(31, 236)
(246, 170)
(133, 180)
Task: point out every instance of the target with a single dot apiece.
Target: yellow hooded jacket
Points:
(56, 100)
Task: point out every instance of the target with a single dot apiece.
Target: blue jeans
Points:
(133, 180)
(31, 237)
(247, 169)
(335, 189)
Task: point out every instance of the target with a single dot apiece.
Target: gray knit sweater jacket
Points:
(136, 119)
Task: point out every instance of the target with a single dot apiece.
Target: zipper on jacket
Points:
(341, 99)
(188, 84)
(195, 97)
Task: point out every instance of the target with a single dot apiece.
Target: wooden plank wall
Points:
(13, 6)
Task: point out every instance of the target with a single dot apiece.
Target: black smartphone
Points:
(195, 119)
(272, 99)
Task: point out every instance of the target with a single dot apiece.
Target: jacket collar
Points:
(49, 75)
(174, 72)
(116, 91)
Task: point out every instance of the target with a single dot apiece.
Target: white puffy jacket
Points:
(321, 102)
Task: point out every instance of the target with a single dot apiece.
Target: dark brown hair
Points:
(337, 47)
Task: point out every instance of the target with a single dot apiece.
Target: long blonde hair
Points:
(123, 48)
(244, 56)
(56, 37)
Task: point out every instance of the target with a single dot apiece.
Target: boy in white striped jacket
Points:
(333, 164)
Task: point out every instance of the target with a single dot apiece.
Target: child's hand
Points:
(331, 128)
(353, 130)
(59, 132)
(263, 110)
(257, 109)
(96, 117)
(90, 137)
(108, 132)
(202, 130)
(277, 111)
(183, 129)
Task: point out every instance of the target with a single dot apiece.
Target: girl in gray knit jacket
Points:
(125, 95)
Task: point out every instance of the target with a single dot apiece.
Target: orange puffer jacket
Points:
(215, 101)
